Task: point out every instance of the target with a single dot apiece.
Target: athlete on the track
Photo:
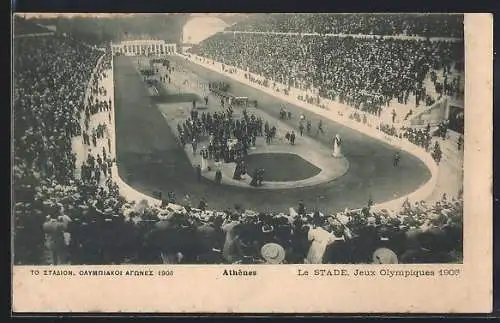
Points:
(396, 158)
(320, 128)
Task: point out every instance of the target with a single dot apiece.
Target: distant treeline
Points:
(100, 31)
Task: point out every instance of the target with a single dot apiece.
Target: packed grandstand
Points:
(71, 212)
(422, 25)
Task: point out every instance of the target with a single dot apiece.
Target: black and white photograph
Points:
(238, 139)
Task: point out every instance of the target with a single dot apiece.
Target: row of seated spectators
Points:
(425, 25)
(364, 73)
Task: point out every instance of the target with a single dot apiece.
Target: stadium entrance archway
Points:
(142, 47)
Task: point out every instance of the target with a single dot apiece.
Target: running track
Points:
(150, 160)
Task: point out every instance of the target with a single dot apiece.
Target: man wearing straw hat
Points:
(273, 253)
(384, 256)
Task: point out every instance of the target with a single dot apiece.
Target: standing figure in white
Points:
(337, 144)
(204, 159)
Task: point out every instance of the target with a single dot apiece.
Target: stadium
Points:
(278, 138)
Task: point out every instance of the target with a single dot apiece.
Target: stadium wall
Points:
(35, 35)
(337, 112)
(432, 115)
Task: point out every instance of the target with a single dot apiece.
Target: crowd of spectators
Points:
(52, 75)
(420, 137)
(361, 72)
(49, 89)
(425, 25)
(62, 218)
(109, 230)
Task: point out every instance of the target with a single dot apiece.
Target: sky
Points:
(53, 15)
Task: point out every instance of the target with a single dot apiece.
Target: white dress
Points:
(204, 164)
(204, 159)
(218, 165)
(337, 152)
(320, 239)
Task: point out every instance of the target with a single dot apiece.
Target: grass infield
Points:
(281, 167)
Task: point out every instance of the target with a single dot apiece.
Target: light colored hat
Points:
(206, 215)
(344, 219)
(250, 213)
(127, 212)
(334, 222)
(273, 253)
(267, 228)
(371, 221)
(384, 256)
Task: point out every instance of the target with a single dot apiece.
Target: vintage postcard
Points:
(252, 163)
